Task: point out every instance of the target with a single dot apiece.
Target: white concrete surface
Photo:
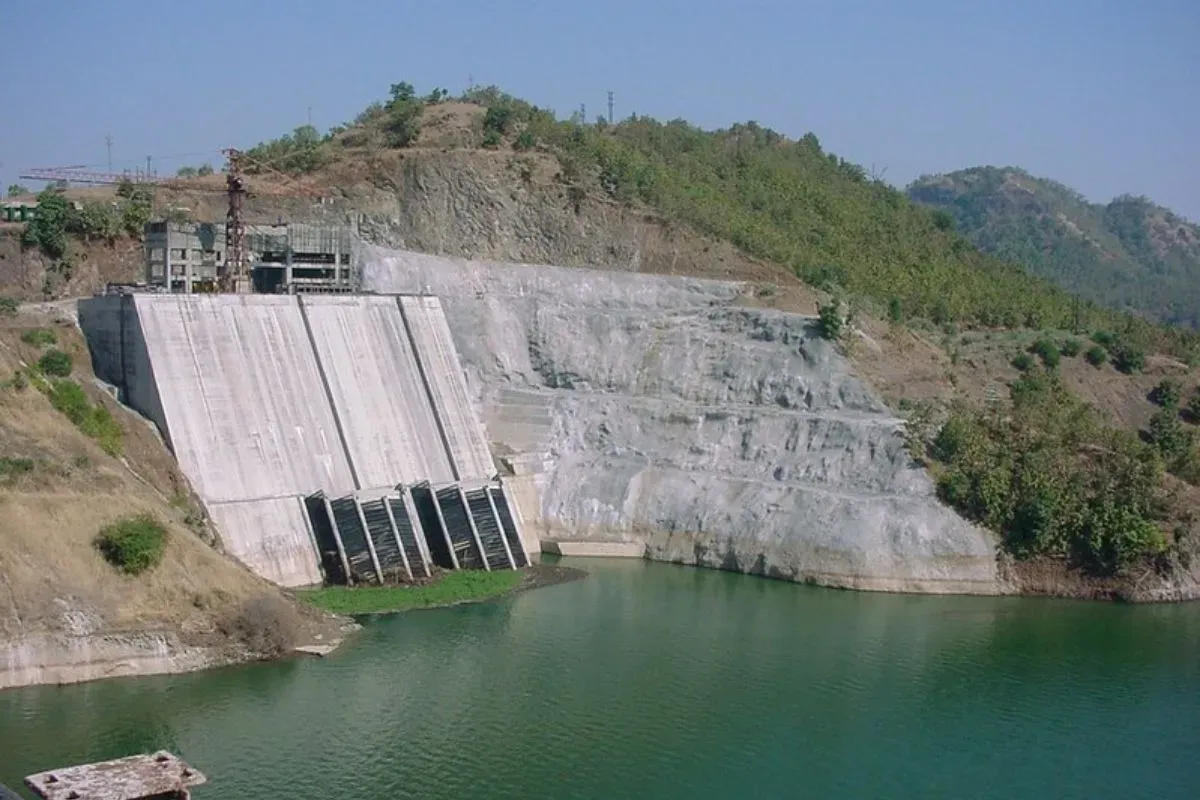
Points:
(271, 537)
(242, 396)
(377, 392)
(268, 398)
(448, 387)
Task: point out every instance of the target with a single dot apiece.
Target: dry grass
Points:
(51, 575)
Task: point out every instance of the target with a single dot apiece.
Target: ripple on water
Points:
(655, 681)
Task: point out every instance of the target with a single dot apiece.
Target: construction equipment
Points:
(233, 274)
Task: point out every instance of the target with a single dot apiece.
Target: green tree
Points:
(404, 111)
(136, 208)
(48, 229)
(16, 190)
(97, 221)
(830, 320)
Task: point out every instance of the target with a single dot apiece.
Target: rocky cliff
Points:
(658, 410)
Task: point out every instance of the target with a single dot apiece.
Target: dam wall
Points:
(658, 413)
(267, 399)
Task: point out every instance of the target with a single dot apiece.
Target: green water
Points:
(647, 680)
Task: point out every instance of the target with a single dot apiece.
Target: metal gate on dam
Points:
(330, 436)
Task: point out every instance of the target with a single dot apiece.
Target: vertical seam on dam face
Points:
(337, 420)
(437, 417)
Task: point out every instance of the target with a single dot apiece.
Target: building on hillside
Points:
(287, 258)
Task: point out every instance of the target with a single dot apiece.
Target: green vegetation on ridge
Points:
(783, 200)
(1045, 471)
(1128, 254)
(1053, 478)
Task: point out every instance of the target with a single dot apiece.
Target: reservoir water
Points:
(656, 681)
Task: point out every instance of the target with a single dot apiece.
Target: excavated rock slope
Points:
(654, 410)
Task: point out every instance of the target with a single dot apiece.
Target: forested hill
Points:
(1129, 254)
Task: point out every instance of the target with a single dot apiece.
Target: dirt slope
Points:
(56, 592)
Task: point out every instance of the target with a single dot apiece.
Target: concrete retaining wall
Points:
(658, 413)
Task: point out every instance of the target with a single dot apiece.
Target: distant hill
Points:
(1129, 254)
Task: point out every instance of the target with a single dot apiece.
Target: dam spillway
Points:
(268, 400)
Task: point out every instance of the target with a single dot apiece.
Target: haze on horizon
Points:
(1100, 96)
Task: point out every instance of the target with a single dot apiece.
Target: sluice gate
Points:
(401, 535)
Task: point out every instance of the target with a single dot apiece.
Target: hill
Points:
(71, 462)
(1129, 254)
(942, 330)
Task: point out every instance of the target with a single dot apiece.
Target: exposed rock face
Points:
(652, 409)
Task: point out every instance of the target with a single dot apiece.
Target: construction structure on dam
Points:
(330, 436)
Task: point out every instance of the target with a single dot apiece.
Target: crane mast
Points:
(232, 277)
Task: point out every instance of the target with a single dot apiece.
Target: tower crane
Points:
(232, 274)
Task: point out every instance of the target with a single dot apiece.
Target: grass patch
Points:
(94, 421)
(133, 544)
(55, 363)
(15, 467)
(39, 337)
(455, 587)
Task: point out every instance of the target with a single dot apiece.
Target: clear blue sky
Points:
(1101, 95)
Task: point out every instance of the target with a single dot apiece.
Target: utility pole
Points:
(310, 116)
(610, 107)
(147, 167)
(108, 144)
(583, 114)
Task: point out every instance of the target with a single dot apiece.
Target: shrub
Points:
(15, 467)
(1128, 358)
(1193, 408)
(491, 139)
(95, 422)
(1070, 348)
(1104, 338)
(8, 305)
(1167, 394)
(1023, 362)
(1047, 351)
(133, 544)
(1096, 356)
(39, 337)
(55, 363)
(267, 626)
(1053, 479)
(829, 320)
(499, 118)
(525, 140)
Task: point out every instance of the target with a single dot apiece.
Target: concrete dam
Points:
(330, 437)
(511, 408)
